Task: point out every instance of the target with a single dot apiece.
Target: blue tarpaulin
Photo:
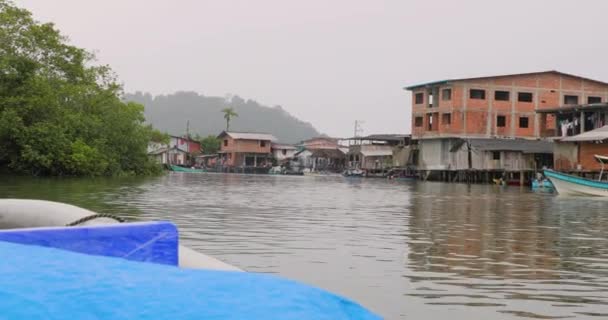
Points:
(141, 241)
(47, 283)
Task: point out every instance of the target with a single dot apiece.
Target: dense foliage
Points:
(210, 144)
(59, 113)
(172, 112)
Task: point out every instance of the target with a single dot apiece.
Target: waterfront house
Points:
(320, 143)
(499, 107)
(372, 158)
(166, 155)
(482, 159)
(576, 153)
(186, 144)
(179, 151)
(283, 152)
(245, 150)
(320, 154)
(379, 152)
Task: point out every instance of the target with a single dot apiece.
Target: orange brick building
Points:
(246, 149)
(499, 106)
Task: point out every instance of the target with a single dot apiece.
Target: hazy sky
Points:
(330, 62)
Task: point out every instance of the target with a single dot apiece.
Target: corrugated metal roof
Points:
(522, 145)
(383, 137)
(598, 134)
(327, 153)
(165, 149)
(500, 76)
(377, 153)
(283, 146)
(249, 136)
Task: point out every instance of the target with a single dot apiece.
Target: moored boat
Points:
(354, 173)
(184, 169)
(542, 184)
(566, 184)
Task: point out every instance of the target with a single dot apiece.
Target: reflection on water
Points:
(405, 250)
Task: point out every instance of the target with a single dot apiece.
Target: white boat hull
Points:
(21, 213)
(575, 186)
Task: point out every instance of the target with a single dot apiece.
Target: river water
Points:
(406, 250)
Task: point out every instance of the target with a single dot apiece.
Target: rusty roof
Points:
(433, 83)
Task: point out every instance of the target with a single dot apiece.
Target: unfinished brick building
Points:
(496, 117)
(499, 106)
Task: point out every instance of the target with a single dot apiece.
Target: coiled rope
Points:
(93, 217)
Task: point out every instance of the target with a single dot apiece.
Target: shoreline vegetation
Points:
(60, 114)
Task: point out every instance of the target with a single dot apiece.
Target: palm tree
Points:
(229, 113)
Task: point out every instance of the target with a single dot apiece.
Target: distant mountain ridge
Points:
(170, 113)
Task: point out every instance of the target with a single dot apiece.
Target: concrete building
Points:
(498, 106)
(245, 150)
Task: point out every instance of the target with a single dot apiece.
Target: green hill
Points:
(170, 113)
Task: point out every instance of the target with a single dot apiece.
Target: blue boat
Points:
(542, 184)
(110, 270)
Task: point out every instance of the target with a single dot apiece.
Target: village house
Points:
(283, 152)
(179, 151)
(379, 152)
(245, 151)
(320, 154)
(577, 153)
(500, 108)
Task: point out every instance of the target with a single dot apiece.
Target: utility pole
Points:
(358, 128)
(188, 136)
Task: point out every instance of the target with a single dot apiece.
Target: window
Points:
(262, 143)
(523, 122)
(495, 155)
(524, 96)
(501, 121)
(594, 99)
(570, 99)
(446, 118)
(418, 122)
(501, 95)
(431, 98)
(477, 94)
(225, 143)
(446, 94)
(284, 152)
(419, 98)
